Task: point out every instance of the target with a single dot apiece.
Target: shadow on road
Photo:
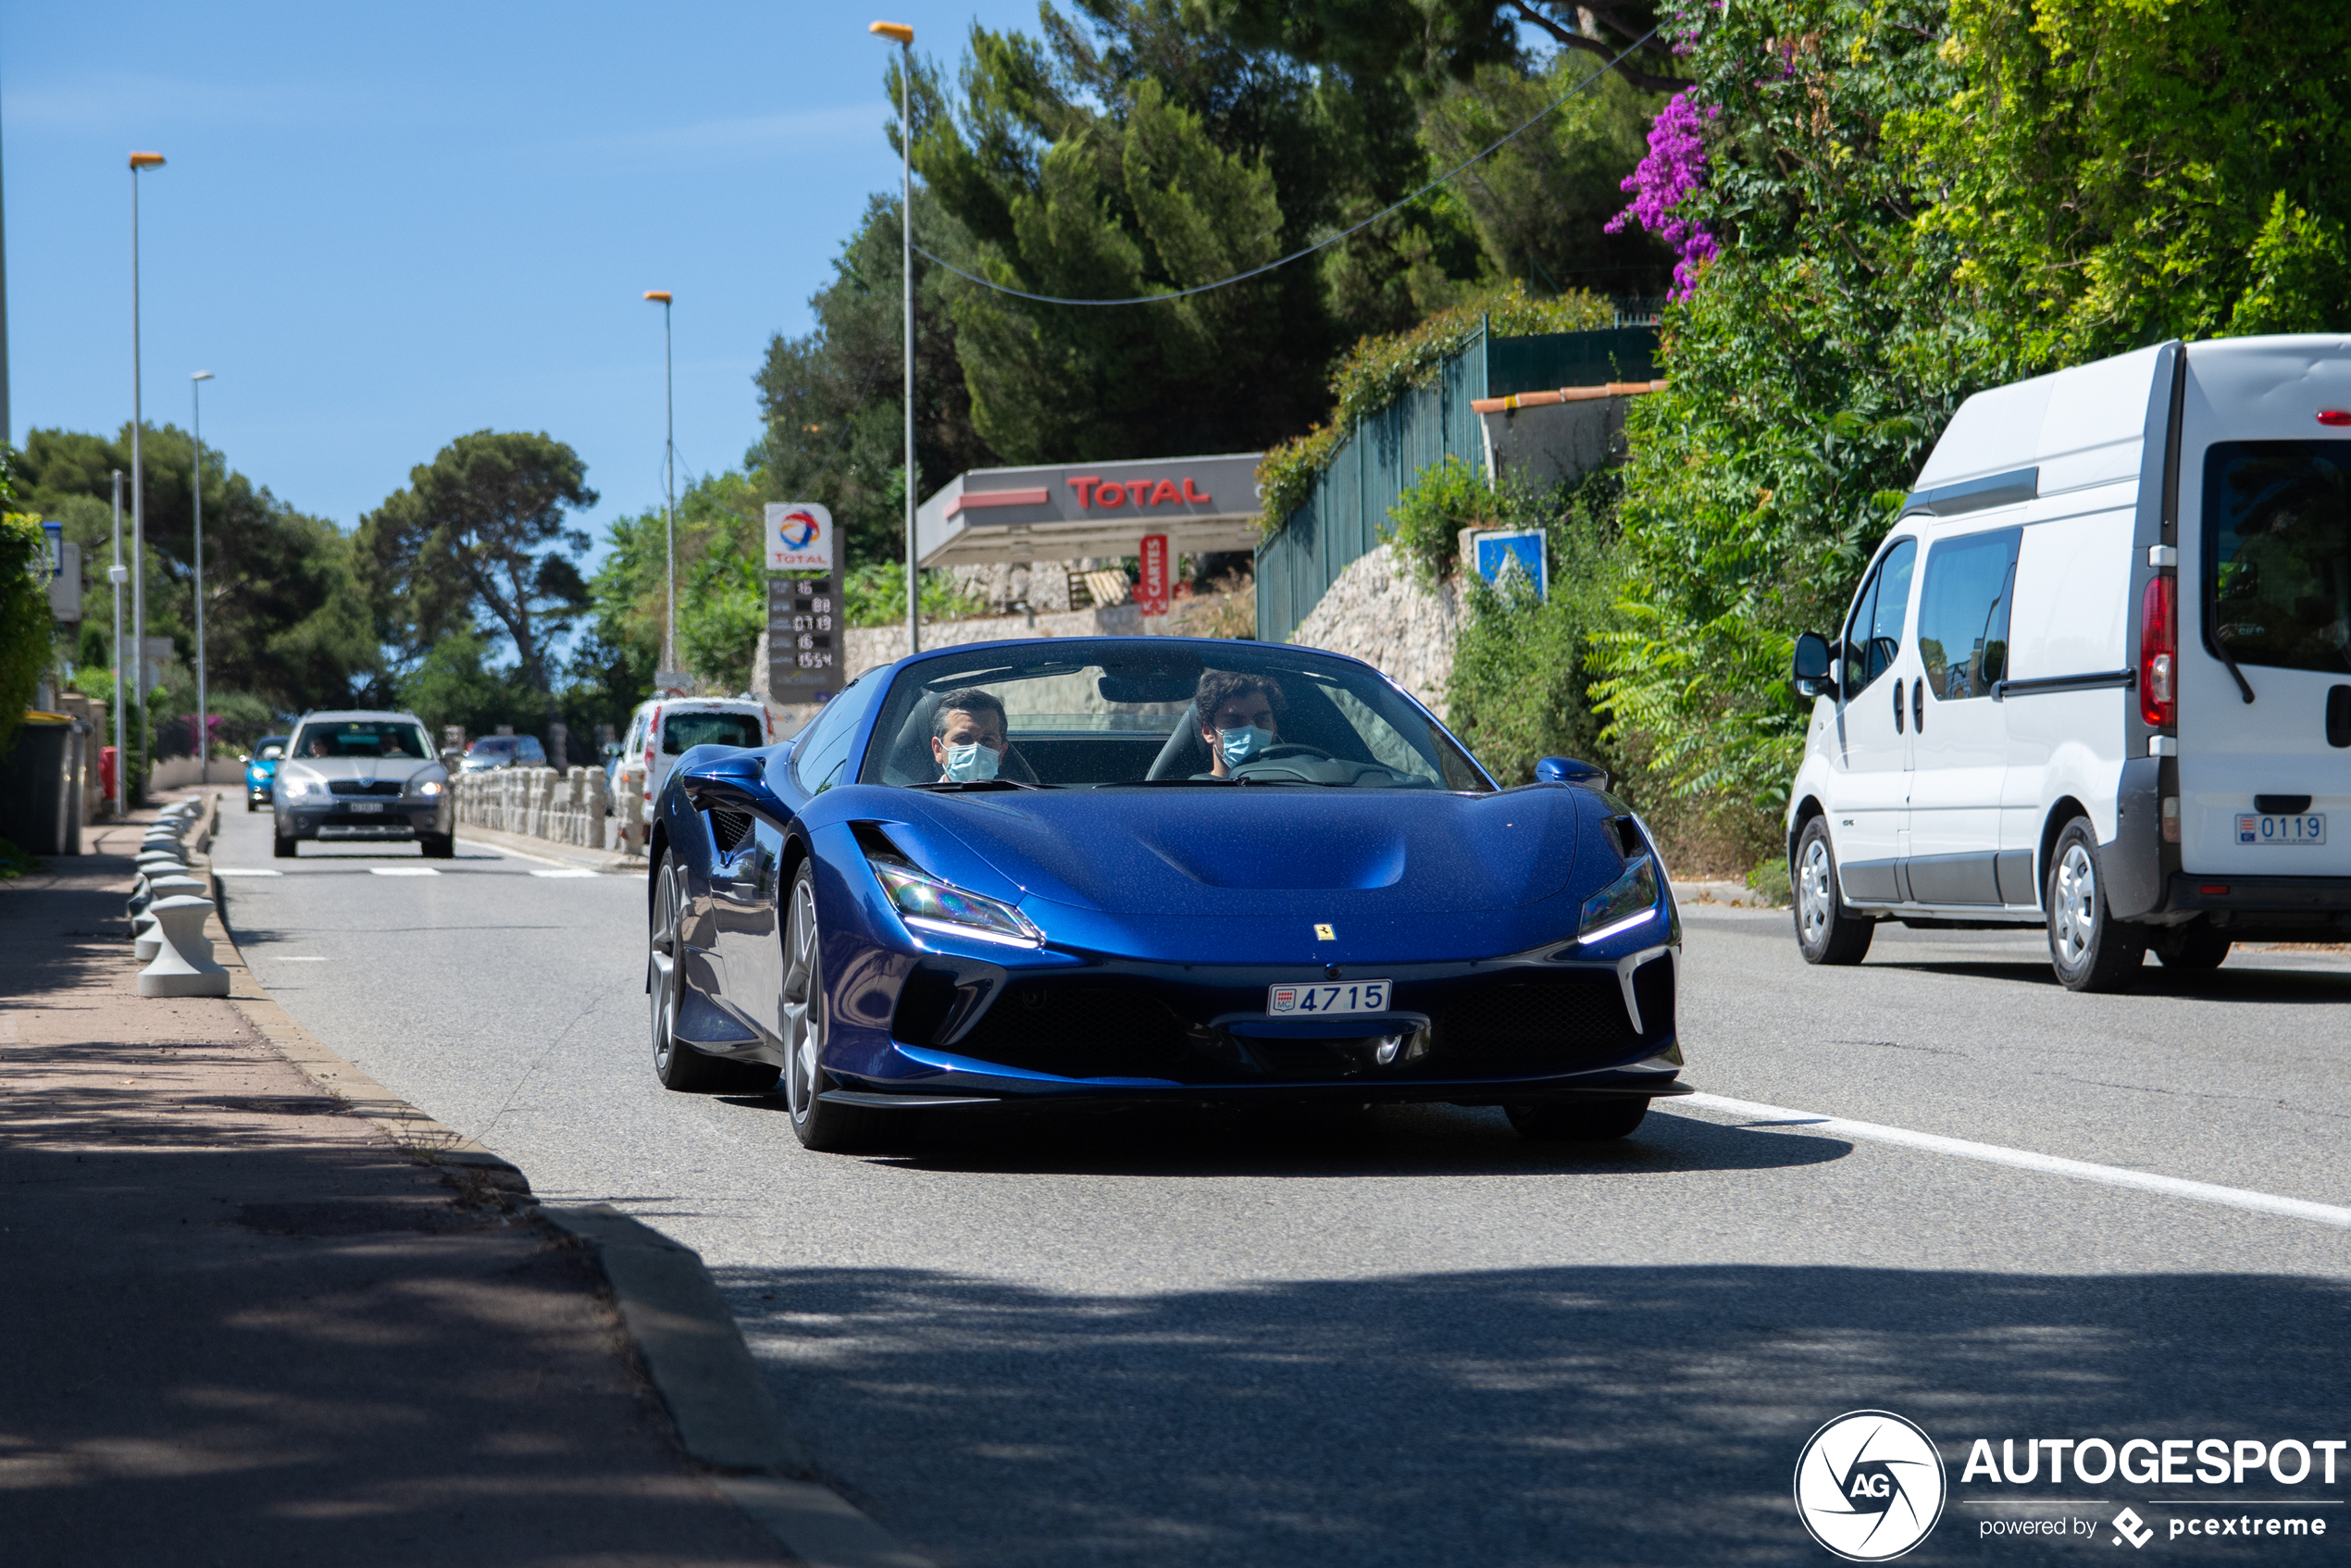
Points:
(1526, 1416)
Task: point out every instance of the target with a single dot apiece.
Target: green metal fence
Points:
(1341, 519)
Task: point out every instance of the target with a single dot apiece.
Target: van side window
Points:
(1963, 613)
(1874, 638)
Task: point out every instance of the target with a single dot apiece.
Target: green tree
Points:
(1141, 152)
(477, 543)
(2117, 172)
(285, 619)
(1434, 41)
(27, 631)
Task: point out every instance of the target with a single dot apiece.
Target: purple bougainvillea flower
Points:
(1676, 167)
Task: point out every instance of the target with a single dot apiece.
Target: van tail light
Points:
(2158, 653)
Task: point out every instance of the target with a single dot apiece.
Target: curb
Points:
(547, 849)
(689, 1343)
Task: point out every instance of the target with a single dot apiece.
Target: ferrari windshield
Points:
(1157, 714)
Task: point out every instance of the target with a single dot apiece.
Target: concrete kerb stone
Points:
(694, 1353)
(689, 1342)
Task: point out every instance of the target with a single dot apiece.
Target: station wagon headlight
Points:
(925, 904)
(1623, 904)
(429, 786)
(299, 787)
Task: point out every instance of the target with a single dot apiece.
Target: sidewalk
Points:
(245, 1327)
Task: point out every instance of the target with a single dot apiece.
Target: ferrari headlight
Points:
(1623, 904)
(925, 904)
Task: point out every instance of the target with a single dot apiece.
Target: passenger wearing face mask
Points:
(967, 737)
(1239, 717)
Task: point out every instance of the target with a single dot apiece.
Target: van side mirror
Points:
(1567, 770)
(1814, 666)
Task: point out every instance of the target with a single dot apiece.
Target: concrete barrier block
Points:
(182, 965)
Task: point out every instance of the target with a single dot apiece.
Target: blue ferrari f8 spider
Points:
(1121, 870)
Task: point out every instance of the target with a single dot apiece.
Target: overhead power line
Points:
(1530, 123)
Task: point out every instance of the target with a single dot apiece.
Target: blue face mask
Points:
(1237, 746)
(973, 763)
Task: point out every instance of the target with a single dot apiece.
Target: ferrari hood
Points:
(1237, 852)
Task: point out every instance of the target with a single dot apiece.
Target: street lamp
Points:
(138, 473)
(669, 479)
(118, 574)
(204, 725)
(904, 36)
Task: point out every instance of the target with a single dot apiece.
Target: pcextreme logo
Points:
(1870, 1486)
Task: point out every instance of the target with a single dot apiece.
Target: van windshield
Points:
(2277, 552)
(682, 733)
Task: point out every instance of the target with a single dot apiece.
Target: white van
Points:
(666, 728)
(2099, 674)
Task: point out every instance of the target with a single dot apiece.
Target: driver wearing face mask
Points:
(967, 737)
(1240, 717)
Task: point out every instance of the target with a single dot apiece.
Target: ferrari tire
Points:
(1555, 1121)
(2190, 951)
(820, 1124)
(2090, 950)
(677, 1064)
(1826, 931)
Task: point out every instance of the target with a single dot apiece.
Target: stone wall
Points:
(870, 645)
(1376, 613)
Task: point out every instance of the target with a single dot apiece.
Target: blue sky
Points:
(382, 227)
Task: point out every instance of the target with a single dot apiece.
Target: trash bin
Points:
(40, 795)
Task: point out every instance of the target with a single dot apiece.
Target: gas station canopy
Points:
(1062, 513)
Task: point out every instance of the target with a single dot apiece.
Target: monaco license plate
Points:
(362, 805)
(2309, 827)
(1317, 999)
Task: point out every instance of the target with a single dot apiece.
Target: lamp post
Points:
(904, 36)
(204, 722)
(668, 479)
(138, 470)
(117, 574)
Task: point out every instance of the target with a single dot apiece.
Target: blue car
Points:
(1125, 870)
(261, 767)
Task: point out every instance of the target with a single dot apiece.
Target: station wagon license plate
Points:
(2309, 827)
(362, 805)
(1317, 999)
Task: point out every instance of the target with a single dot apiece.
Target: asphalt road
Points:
(1407, 1337)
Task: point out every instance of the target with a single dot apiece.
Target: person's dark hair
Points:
(973, 701)
(1218, 686)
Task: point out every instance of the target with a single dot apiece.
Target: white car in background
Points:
(666, 728)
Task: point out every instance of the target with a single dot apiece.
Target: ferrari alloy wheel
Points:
(1826, 931)
(1577, 1121)
(2088, 947)
(821, 1125)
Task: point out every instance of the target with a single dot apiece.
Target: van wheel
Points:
(2190, 951)
(1826, 931)
(2090, 948)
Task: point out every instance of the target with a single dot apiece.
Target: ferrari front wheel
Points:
(1552, 1121)
(823, 1126)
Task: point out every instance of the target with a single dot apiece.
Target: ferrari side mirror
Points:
(1813, 663)
(1567, 770)
(734, 780)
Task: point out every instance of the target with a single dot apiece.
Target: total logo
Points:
(797, 530)
(1870, 1486)
(799, 537)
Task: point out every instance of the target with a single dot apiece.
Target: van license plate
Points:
(1317, 999)
(2308, 829)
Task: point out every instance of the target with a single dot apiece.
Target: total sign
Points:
(799, 537)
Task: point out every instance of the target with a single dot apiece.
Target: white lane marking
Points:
(518, 855)
(242, 871)
(2025, 1160)
(571, 871)
(405, 870)
(295, 958)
